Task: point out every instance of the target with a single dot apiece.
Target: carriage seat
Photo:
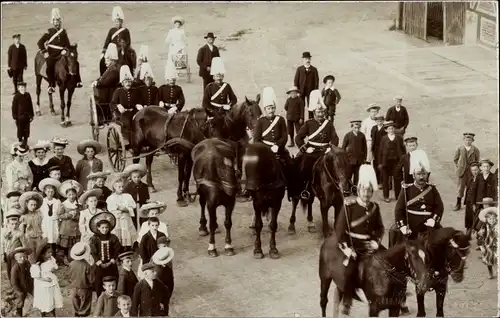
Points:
(104, 95)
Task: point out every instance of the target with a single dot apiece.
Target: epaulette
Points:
(405, 185)
(432, 184)
(349, 201)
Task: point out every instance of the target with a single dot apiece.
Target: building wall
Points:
(481, 24)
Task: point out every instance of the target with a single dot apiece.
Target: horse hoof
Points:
(182, 203)
(39, 113)
(63, 124)
(213, 253)
(152, 190)
(53, 112)
(291, 230)
(274, 254)
(311, 229)
(229, 251)
(217, 230)
(257, 254)
(251, 226)
(405, 310)
(420, 314)
(203, 232)
(68, 123)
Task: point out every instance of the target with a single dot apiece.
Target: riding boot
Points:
(458, 205)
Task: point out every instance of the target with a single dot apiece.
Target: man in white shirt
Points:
(366, 127)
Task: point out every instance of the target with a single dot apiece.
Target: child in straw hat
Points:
(97, 180)
(69, 233)
(164, 272)
(147, 211)
(137, 189)
(89, 200)
(122, 205)
(89, 163)
(82, 279)
(50, 210)
(490, 218)
(12, 237)
(31, 219)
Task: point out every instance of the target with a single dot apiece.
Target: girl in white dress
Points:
(50, 210)
(122, 205)
(46, 294)
(176, 38)
(89, 198)
(18, 171)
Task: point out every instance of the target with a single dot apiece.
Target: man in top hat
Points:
(17, 60)
(306, 79)
(419, 206)
(170, 95)
(399, 115)
(331, 97)
(149, 91)
(464, 156)
(218, 97)
(115, 34)
(320, 134)
(354, 144)
(126, 101)
(204, 59)
(107, 83)
(53, 44)
(366, 127)
(22, 113)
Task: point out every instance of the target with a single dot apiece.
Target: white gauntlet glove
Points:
(162, 104)
(328, 150)
(139, 107)
(172, 110)
(121, 109)
(226, 107)
(430, 222)
(405, 230)
(274, 148)
(309, 149)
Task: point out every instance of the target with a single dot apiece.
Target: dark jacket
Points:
(149, 95)
(469, 193)
(22, 107)
(126, 282)
(227, 96)
(355, 145)
(278, 134)
(146, 300)
(172, 94)
(61, 40)
(294, 108)
(128, 98)
(204, 59)
(326, 135)
(376, 135)
(20, 278)
(400, 149)
(125, 34)
(430, 202)
(300, 79)
(166, 275)
(400, 119)
(148, 246)
(139, 192)
(403, 168)
(101, 201)
(485, 188)
(66, 165)
(331, 98)
(17, 57)
(108, 83)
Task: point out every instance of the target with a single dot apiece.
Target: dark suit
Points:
(22, 113)
(377, 135)
(166, 275)
(400, 118)
(204, 60)
(105, 87)
(355, 145)
(146, 300)
(149, 95)
(126, 282)
(306, 82)
(294, 108)
(149, 246)
(331, 98)
(140, 193)
(22, 284)
(17, 61)
(390, 153)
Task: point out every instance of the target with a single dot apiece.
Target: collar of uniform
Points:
(421, 188)
(270, 117)
(320, 122)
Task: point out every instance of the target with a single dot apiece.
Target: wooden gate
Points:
(415, 19)
(454, 22)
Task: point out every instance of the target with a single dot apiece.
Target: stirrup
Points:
(305, 195)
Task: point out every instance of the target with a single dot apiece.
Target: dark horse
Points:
(382, 276)
(153, 127)
(329, 181)
(214, 171)
(66, 70)
(448, 250)
(266, 183)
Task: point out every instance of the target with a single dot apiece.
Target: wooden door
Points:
(415, 19)
(454, 22)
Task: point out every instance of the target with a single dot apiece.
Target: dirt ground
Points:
(371, 64)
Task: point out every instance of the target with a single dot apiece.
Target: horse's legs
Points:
(310, 222)
(62, 89)
(51, 104)
(149, 178)
(38, 91)
(181, 164)
(420, 305)
(203, 220)
(71, 91)
(212, 214)
(188, 167)
(273, 251)
(324, 215)
(440, 295)
(291, 227)
(323, 297)
(337, 298)
(257, 252)
(228, 223)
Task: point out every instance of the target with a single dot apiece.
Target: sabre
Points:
(346, 261)
(404, 186)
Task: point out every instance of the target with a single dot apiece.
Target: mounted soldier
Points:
(359, 232)
(218, 97)
(53, 45)
(148, 89)
(115, 35)
(419, 206)
(320, 134)
(170, 95)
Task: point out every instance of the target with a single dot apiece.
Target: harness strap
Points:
(217, 105)
(314, 134)
(219, 91)
(419, 196)
(117, 32)
(270, 128)
(55, 35)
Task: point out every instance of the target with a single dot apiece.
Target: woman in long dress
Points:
(40, 164)
(18, 171)
(176, 39)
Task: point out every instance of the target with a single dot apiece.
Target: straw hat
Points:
(25, 250)
(485, 212)
(89, 193)
(49, 181)
(135, 167)
(31, 195)
(292, 89)
(95, 175)
(70, 184)
(13, 213)
(80, 250)
(144, 210)
(88, 143)
(487, 200)
(163, 256)
(60, 141)
(179, 19)
(102, 217)
(372, 106)
(41, 144)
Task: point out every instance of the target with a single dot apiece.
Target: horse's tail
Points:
(38, 62)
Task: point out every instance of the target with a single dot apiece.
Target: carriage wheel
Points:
(116, 147)
(94, 126)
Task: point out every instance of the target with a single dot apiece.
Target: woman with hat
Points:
(18, 169)
(331, 96)
(40, 164)
(176, 39)
(89, 201)
(31, 218)
(97, 180)
(50, 210)
(89, 163)
(47, 293)
(60, 159)
(82, 276)
(489, 217)
(69, 233)
(104, 247)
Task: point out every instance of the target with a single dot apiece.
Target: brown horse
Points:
(66, 71)
(329, 180)
(153, 127)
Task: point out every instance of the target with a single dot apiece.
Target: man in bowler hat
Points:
(306, 79)
(204, 59)
(17, 60)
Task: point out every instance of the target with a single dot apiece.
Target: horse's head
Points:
(339, 158)
(417, 263)
(72, 59)
(244, 116)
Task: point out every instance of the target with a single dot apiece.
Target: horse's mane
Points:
(339, 160)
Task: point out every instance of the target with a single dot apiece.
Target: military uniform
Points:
(115, 35)
(216, 96)
(171, 95)
(106, 86)
(128, 98)
(58, 40)
(149, 95)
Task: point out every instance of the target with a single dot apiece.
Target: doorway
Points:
(435, 21)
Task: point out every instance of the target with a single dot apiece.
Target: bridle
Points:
(460, 252)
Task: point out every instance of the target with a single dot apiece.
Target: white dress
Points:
(124, 229)
(47, 295)
(83, 224)
(16, 170)
(176, 41)
(50, 223)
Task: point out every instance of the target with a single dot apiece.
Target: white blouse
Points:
(176, 40)
(16, 170)
(116, 201)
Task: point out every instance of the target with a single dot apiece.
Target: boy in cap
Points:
(107, 302)
(81, 278)
(22, 113)
(20, 277)
(391, 150)
(377, 132)
(366, 127)
(469, 204)
(355, 144)
(399, 115)
(464, 156)
(306, 79)
(331, 97)
(17, 60)
(126, 276)
(55, 173)
(402, 172)
(487, 184)
(204, 59)
(170, 95)
(149, 92)
(12, 200)
(149, 242)
(60, 159)
(136, 188)
(12, 237)
(151, 297)
(115, 35)
(294, 107)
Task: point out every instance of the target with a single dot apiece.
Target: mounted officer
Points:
(321, 136)
(53, 44)
(218, 97)
(115, 35)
